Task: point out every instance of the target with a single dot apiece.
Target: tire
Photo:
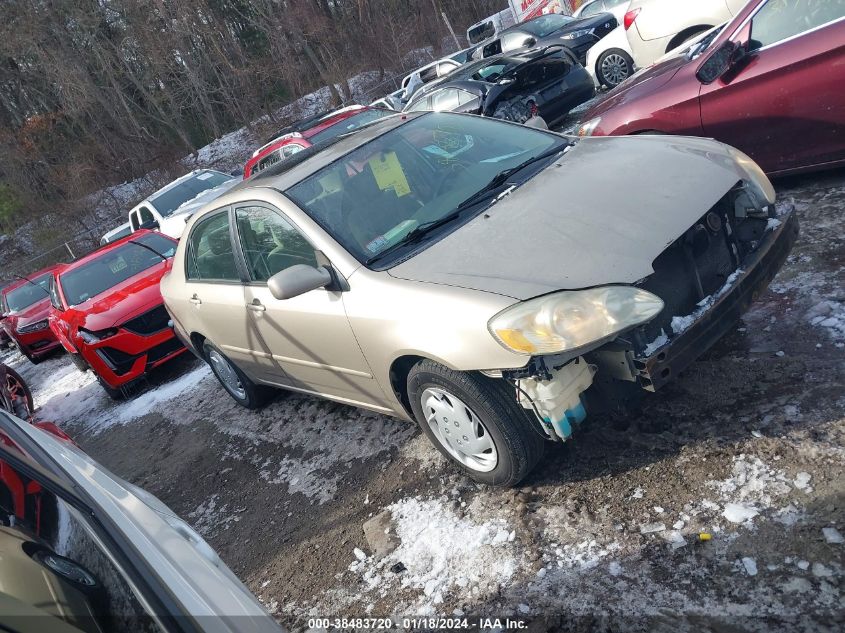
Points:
(118, 395)
(81, 363)
(245, 392)
(516, 446)
(32, 359)
(27, 394)
(613, 67)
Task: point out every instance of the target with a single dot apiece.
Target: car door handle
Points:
(256, 306)
(195, 300)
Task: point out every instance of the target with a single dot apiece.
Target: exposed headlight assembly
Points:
(574, 35)
(760, 184)
(570, 320)
(34, 327)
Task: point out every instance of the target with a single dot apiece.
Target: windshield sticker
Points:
(377, 244)
(117, 264)
(205, 176)
(448, 144)
(388, 173)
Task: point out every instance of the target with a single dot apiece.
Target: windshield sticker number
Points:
(205, 176)
(388, 173)
(117, 264)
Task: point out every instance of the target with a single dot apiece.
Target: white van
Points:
(490, 27)
(169, 208)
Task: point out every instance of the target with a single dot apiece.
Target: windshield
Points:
(28, 294)
(114, 266)
(348, 124)
(414, 174)
(170, 200)
(546, 25)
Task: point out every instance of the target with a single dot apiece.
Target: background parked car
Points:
(168, 209)
(769, 83)
(490, 27)
(26, 308)
(107, 310)
(609, 61)
(412, 269)
(519, 87)
(428, 73)
(576, 34)
(655, 27)
(314, 131)
(122, 560)
(116, 233)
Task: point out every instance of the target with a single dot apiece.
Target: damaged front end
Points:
(706, 279)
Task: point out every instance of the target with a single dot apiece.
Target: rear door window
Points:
(210, 254)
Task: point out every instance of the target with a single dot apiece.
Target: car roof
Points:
(287, 173)
(97, 252)
(17, 282)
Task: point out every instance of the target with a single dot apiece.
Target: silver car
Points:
(491, 281)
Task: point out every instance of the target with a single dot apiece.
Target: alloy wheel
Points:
(459, 430)
(614, 69)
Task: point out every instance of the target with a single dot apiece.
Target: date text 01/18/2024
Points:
(421, 623)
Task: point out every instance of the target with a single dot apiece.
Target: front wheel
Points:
(118, 395)
(613, 67)
(79, 362)
(475, 422)
(243, 390)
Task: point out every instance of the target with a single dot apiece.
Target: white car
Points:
(116, 233)
(655, 27)
(417, 79)
(169, 208)
(609, 61)
(111, 544)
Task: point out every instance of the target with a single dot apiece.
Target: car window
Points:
(146, 215)
(778, 20)
(428, 74)
(444, 100)
(547, 24)
(444, 68)
(290, 150)
(270, 243)
(168, 201)
(369, 199)
(349, 124)
(111, 267)
(210, 255)
(420, 104)
(55, 299)
(465, 97)
(481, 32)
(30, 292)
(592, 9)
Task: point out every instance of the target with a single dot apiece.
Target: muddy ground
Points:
(604, 535)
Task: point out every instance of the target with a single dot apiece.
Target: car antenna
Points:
(149, 248)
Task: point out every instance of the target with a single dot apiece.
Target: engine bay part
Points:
(558, 400)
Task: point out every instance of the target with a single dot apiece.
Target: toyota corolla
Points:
(491, 281)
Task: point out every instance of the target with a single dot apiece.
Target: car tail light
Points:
(630, 17)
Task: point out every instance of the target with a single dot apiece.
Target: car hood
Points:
(38, 311)
(186, 567)
(640, 84)
(586, 220)
(125, 301)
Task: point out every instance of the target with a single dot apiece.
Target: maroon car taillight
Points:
(630, 17)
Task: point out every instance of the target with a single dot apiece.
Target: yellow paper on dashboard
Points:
(389, 174)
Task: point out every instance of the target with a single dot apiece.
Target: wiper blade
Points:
(416, 234)
(502, 177)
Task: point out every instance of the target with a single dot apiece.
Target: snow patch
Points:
(682, 323)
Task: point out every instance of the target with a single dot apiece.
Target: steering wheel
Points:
(458, 170)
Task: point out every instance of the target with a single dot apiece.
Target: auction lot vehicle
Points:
(578, 35)
(769, 83)
(126, 562)
(417, 79)
(116, 233)
(288, 141)
(489, 280)
(107, 310)
(610, 60)
(536, 84)
(15, 396)
(490, 27)
(655, 27)
(26, 308)
(169, 208)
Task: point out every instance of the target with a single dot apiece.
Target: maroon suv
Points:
(771, 82)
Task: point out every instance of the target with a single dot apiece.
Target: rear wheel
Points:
(475, 422)
(613, 67)
(19, 394)
(118, 394)
(80, 362)
(243, 390)
(32, 359)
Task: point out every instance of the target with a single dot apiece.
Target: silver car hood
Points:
(600, 214)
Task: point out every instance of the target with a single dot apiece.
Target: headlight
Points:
(566, 321)
(589, 127)
(34, 327)
(756, 177)
(95, 337)
(574, 35)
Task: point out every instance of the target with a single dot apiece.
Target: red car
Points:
(288, 141)
(108, 311)
(770, 83)
(26, 308)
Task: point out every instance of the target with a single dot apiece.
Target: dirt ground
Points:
(747, 447)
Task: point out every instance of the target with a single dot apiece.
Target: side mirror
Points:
(729, 55)
(152, 225)
(297, 280)
(530, 41)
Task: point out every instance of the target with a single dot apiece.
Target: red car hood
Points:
(117, 305)
(38, 311)
(641, 84)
